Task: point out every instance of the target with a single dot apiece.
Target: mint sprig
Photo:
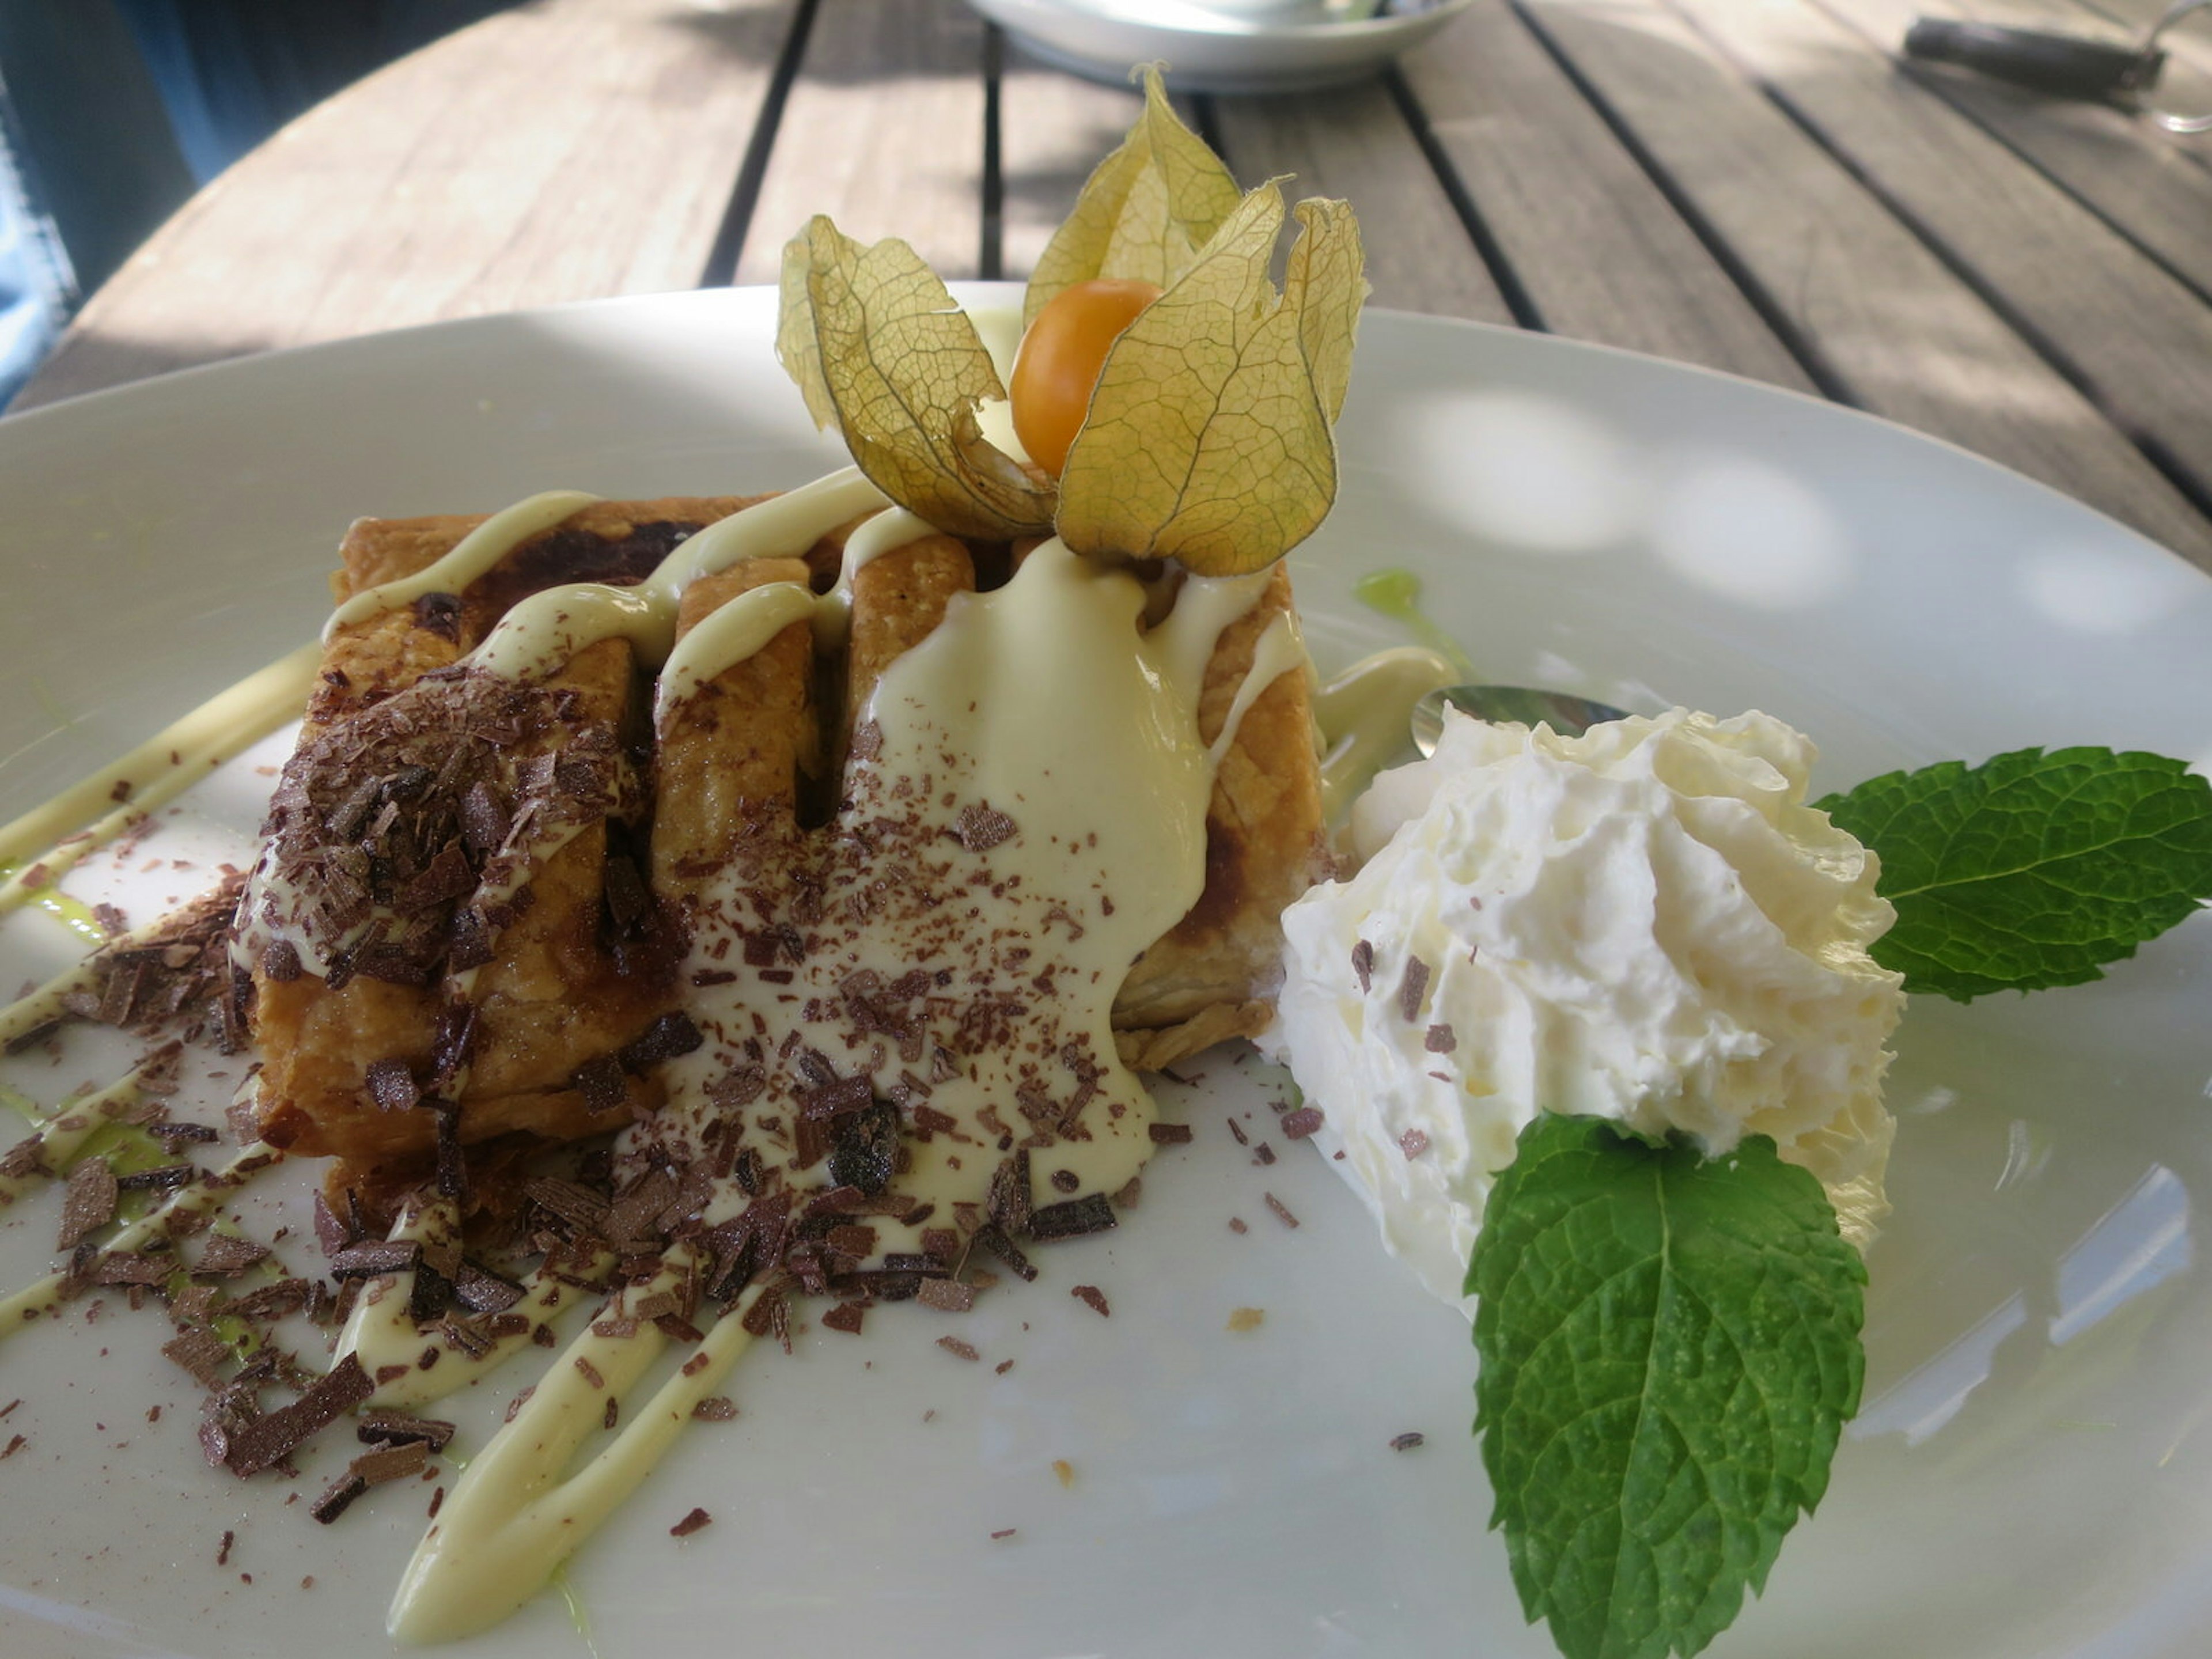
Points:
(1669, 1350)
(2031, 870)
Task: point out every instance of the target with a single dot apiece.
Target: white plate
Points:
(2031, 1476)
(1209, 50)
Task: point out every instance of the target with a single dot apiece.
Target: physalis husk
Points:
(1208, 437)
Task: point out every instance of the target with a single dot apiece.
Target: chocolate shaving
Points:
(1168, 1134)
(395, 1462)
(602, 1084)
(1363, 965)
(168, 1178)
(1411, 989)
(1007, 1201)
(1092, 1298)
(955, 1346)
(670, 1035)
(1399, 1443)
(391, 1085)
(133, 1267)
(376, 1258)
(715, 1408)
(1073, 1219)
(481, 1292)
(1440, 1040)
(690, 1523)
(271, 1436)
(945, 1295)
(88, 1203)
(1412, 1143)
(1282, 1210)
(1297, 1125)
(981, 827)
(439, 614)
(337, 1498)
(201, 1354)
(846, 1316)
(387, 1427)
(992, 1238)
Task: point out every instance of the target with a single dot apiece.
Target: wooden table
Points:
(1757, 185)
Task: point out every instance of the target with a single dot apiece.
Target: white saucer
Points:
(1210, 50)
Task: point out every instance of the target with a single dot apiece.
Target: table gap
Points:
(1518, 300)
(1823, 373)
(991, 255)
(722, 266)
(2196, 490)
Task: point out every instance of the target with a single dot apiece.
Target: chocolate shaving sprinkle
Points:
(1411, 989)
(982, 827)
(1412, 1143)
(201, 1352)
(601, 1083)
(88, 1203)
(947, 1296)
(453, 1165)
(846, 1316)
(954, 1345)
(1066, 1181)
(670, 1035)
(269, 1438)
(376, 1258)
(1073, 1219)
(1168, 1134)
(397, 1461)
(1297, 1125)
(483, 1292)
(1440, 1040)
(337, 1498)
(1282, 1211)
(1263, 1153)
(1004, 1532)
(992, 1238)
(1092, 1298)
(1241, 1138)
(168, 1178)
(389, 1427)
(1406, 1442)
(715, 1408)
(1363, 965)
(690, 1523)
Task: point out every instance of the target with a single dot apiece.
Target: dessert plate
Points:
(2033, 1471)
(1231, 45)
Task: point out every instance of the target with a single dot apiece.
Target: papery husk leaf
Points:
(879, 349)
(1144, 213)
(1208, 437)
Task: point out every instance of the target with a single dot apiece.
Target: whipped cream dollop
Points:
(1646, 923)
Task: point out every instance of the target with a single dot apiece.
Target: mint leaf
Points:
(2031, 870)
(1669, 1351)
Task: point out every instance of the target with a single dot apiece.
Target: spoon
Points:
(1567, 715)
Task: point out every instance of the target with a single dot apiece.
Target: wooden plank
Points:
(1900, 333)
(1595, 244)
(884, 132)
(1054, 128)
(1352, 142)
(2139, 341)
(564, 151)
(2147, 182)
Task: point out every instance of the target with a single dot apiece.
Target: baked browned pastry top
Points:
(496, 874)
